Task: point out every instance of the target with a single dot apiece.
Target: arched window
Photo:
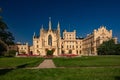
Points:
(50, 40)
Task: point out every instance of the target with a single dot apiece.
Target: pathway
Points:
(48, 63)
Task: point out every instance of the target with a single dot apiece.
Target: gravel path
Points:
(48, 63)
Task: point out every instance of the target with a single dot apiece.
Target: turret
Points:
(58, 28)
(27, 43)
(115, 40)
(111, 33)
(74, 34)
(42, 27)
(50, 24)
(34, 35)
(74, 31)
(41, 30)
(95, 31)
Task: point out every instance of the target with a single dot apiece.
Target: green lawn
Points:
(19, 62)
(73, 68)
(61, 74)
(95, 61)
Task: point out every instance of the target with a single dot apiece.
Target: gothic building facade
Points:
(48, 39)
(68, 44)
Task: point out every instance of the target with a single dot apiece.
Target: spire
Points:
(50, 23)
(34, 35)
(41, 30)
(42, 27)
(58, 26)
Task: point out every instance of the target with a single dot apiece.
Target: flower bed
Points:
(27, 55)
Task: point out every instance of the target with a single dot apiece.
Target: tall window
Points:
(50, 40)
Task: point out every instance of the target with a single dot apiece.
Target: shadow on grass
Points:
(117, 78)
(4, 71)
(21, 66)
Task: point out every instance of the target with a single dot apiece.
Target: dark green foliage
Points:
(108, 48)
(6, 37)
(10, 53)
(117, 49)
(49, 52)
(3, 47)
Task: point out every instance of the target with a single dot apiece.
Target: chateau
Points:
(68, 44)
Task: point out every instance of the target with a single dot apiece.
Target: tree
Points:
(107, 48)
(6, 37)
(3, 47)
(50, 52)
(10, 53)
(117, 49)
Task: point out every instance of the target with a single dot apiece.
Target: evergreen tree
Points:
(6, 37)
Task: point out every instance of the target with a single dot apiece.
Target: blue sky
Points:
(24, 17)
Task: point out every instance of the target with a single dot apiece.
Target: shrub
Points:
(10, 53)
(50, 52)
(107, 48)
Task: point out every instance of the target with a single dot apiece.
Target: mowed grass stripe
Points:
(19, 62)
(88, 61)
(62, 74)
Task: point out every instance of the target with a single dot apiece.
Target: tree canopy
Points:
(6, 37)
(109, 48)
